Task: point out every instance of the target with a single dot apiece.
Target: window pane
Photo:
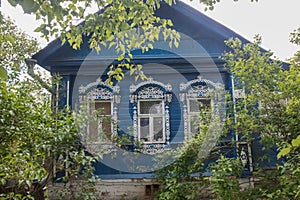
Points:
(144, 130)
(198, 104)
(105, 107)
(150, 107)
(194, 124)
(158, 129)
(105, 126)
(93, 131)
(100, 127)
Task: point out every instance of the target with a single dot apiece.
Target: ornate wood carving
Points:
(192, 90)
(151, 89)
(101, 91)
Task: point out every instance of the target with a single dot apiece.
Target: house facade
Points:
(153, 116)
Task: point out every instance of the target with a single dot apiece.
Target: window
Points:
(197, 97)
(151, 121)
(150, 107)
(198, 109)
(100, 126)
(100, 101)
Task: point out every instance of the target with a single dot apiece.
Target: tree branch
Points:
(30, 64)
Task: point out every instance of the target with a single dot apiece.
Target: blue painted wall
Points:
(198, 54)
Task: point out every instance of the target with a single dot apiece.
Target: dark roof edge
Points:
(48, 50)
(181, 7)
(53, 46)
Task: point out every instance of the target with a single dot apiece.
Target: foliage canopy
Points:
(32, 134)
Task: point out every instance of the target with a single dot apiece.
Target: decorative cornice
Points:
(84, 89)
(185, 86)
(150, 80)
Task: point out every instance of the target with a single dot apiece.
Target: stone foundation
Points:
(116, 189)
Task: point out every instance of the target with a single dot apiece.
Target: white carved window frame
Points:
(196, 89)
(151, 90)
(99, 91)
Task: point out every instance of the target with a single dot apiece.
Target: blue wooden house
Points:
(156, 114)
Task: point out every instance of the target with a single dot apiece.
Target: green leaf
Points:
(296, 142)
(29, 6)
(176, 44)
(170, 44)
(121, 18)
(283, 152)
(111, 44)
(170, 23)
(150, 46)
(121, 57)
(3, 74)
(9, 38)
(12, 2)
(68, 35)
(63, 41)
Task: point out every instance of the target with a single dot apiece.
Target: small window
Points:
(148, 190)
(151, 189)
